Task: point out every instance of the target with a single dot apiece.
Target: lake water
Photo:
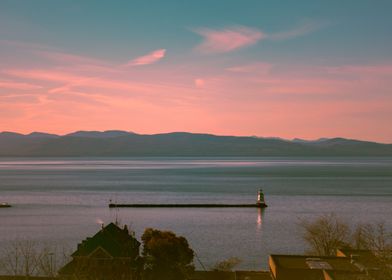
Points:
(62, 200)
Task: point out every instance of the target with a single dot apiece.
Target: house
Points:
(231, 275)
(342, 275)
(112, 253)
(293, 267)
(378, 266)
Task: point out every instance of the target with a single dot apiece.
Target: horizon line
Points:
(200, 133)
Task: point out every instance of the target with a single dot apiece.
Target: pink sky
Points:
(60, 92)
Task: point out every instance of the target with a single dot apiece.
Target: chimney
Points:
(126, 229)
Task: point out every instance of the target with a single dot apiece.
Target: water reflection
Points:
(260, 217)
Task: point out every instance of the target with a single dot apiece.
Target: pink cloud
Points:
(199, 83)
(19, 99)
(69, 81)
(298, 31)
(43, 74)
(255, 68)
(77, 97)
(18, 85)
(150, 58)
(69, 92)
(233, 38)
(227, 40)
(362, 70)
(24, 45)
(67, 58)
(118, 86)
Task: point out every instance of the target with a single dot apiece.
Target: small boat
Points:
(4, 205)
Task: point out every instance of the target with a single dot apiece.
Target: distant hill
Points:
(121, 143)
(99, 134)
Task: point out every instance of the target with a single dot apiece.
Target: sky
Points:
(290, 69)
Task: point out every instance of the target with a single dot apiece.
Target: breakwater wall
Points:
(190, 205)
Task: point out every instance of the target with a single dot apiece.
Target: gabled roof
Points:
(68, 269)
(112, 239)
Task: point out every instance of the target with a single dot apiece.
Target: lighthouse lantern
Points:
(260, 197)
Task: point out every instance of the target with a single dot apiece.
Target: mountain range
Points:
(116, 143)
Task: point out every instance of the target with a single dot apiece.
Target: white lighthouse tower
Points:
(260, 199)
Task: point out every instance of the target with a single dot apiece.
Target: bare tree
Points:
(372, 237)
(376, 238)
(11, 259)
(326, 234)
(24, 257)
(359, 237)
(227, 265)
(50, 260)
(20, 258)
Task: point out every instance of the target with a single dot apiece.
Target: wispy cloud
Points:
(150, 58)
(236, 37)
(79, 91)
(255, 67)
(73, 80)
(43, 74)
(298, 31)
(67, 58)
(368, 70)
(18, 85)
(25, 45)
(228, 39)
(19, 99)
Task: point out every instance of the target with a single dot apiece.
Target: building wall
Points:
(340, 253)
(272, 266)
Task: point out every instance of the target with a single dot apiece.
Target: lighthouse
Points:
(260, 199)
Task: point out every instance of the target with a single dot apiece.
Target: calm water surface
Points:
(61, 200)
